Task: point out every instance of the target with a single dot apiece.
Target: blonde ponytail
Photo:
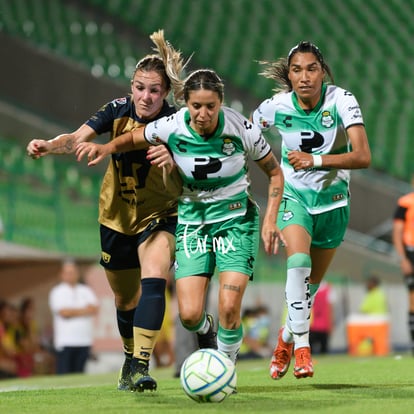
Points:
(173, 62)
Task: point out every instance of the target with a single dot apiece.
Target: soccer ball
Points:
(208, 375)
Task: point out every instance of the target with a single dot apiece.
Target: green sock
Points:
(229, 341)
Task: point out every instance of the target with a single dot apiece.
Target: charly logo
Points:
(327, 120)
(106, 257)
(287, 215)
(228, 147)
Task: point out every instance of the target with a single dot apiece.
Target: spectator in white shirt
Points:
(73, 305)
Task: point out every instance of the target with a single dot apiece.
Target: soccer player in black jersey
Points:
(137, 215)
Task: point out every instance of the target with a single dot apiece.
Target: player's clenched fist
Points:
(37, 148)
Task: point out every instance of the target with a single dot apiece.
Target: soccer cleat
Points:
(141, 380)
(303, 363)
(282, 355)
(124, 378)
(209, 339)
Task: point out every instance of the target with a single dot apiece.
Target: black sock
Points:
(411, 327)
(151, 307)
(125, 321)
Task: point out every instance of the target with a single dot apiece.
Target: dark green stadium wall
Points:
(228, 35)
(53, 88)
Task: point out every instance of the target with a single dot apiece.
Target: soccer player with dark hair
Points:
(323, 138)
(218, 220)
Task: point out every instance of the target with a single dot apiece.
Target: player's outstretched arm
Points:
(61, 144)
(95, 153)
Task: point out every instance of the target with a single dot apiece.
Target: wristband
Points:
(317, 161)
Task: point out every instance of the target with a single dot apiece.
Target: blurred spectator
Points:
(73, 305)
(8, 364)
(375, 301)
(11, 329)
(25, 338)
(321, 319)
(256, 325)
(34, 358)
(403, 240)
(368, 330)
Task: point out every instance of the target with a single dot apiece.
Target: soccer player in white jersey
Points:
(323, 137)
(218, 221)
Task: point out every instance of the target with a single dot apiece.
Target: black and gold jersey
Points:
(132, 192)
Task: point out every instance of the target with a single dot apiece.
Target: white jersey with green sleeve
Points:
(321, 131)
(216, 184)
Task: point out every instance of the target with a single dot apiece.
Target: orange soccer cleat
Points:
(282, 355)
(303, 363)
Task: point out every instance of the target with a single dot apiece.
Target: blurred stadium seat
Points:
(354, 36)
(367, 44)
(47, 202)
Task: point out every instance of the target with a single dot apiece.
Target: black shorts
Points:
(409, 279)
(120, 251)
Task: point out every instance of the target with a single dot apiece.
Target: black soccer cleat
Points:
(209, 339)
(141, 380)
(124, 378)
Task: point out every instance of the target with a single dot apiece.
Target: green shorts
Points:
(326, 229)
(230, 245)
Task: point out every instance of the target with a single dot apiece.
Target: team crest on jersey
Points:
(228, 147)
(106, 257)
(327, 120)
(287, 215)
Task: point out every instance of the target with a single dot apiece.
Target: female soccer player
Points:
(218, 221)
(137, 215)
(323, 137)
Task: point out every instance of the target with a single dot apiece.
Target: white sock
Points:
(231, 350)
(287, 335)
(298, 299)
(301, 341)
(205, 326)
